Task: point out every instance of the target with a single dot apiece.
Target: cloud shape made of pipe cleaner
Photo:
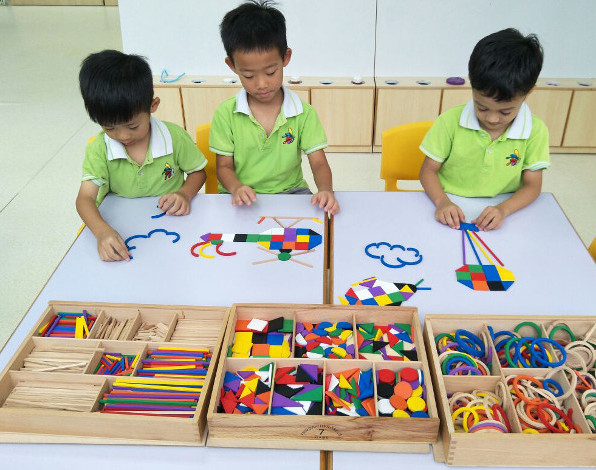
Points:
(393, 256)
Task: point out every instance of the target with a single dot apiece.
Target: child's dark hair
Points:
(505, 64)
(254, 25)
(115, 86)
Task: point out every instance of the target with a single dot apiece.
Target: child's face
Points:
(261, 72)
(495, 116)
(135, 131)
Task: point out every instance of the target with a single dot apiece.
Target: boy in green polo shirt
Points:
(494, 144)
(259, 135)
(136, 155)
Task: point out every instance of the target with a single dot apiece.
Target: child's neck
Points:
(266, 113)
(138, 151)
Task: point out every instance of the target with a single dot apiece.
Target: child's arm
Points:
(324, 181)
(110, 245)
(493, 216)
(241, 194)
(178, 203)
(446, 211)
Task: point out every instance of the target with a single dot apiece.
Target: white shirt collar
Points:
(292, 106)
(520, 128)
(160, 143)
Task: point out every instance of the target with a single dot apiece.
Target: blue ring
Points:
(559, 347)
(517, 357)
(557, 385)
(470, 337)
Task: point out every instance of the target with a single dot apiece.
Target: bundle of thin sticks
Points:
(39, 394)
(111, 328)
(151, 332)
(63, 359)
(193, 330)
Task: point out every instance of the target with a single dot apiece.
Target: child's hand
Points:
(326, 201)
(174, 204)
(111, 247)
(492, 217)
(449, 213)
(244, 195)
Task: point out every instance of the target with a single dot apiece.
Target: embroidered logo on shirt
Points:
(167, 172)
(513, 158)
(288, 137)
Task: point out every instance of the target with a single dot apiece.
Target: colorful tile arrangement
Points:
(262, 338)
(272, 239)
(298, 390)
(401, 394)
(373, 291)
(324, 340)
(350, 393)
(116, 364)
(176, 362)
(486, 277)
(153, 397)
(247, 391)
(68, 325)
(385, 342)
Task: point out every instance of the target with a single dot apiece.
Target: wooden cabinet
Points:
(581, 126)
(346, 112)
(355, 116)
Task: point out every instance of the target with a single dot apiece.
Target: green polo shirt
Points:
(170, 154)
(268, 164)
(473, 164)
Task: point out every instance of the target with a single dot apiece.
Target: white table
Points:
(166, 273)
(553, 270)
(405, 218)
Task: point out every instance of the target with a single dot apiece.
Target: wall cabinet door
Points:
(552, 107)
(581, 126)
(347, 117)
(395, 107)
(200, 104)
(452, 98)
(170, 105)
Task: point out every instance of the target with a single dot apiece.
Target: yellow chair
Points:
(210, 169)
(592, 249)
(401, 158)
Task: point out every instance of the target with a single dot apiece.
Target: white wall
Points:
(337, 37)
(328, 37)
(436, 37)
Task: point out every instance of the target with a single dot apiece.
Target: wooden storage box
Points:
(356, 433)
(515, 448)
(183, 327)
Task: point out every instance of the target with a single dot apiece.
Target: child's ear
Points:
(230, 64)
(287, 56)
(154, 104)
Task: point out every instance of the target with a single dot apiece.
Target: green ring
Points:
(528, 323)
(565, 328)
(508, 354)
(454, 354)
(592, 419)
(443, 335)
